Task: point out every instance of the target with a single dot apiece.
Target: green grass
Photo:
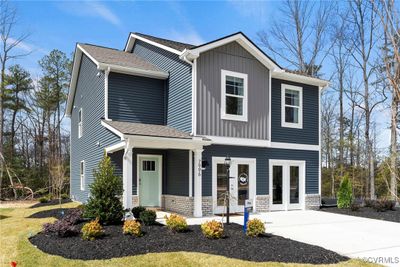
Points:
(15, 246)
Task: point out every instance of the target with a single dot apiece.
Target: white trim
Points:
(82, 174)
(234, 117)
(285, 184)
(198, 172)
(319, 141)
(115, 147)
(80, 123)
(133, 37)
(194, 97)
(112, 129)
(252, 162)
(160, 163)
(284, 75)
(299, 124)
(134, 71)
(127, 176)
(294, 146)
(269, 106)
(190, 173)
(107, 73)
(234, 141)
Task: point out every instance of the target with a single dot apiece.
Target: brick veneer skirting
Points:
(313, 202)
(262, 203)
(179, 204)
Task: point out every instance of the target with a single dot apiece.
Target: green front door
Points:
(150, 180)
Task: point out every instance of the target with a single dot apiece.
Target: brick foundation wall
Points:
(179, 204)
(313, 202)
(135, 201)
(262, 203)
(207, 206)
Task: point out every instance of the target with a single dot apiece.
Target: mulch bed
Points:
(56, 213)
(50, 203)
(158, 238)
(390, 215)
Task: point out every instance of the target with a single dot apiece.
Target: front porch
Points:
(161, 167)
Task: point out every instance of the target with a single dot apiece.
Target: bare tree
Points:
(390, 25)
(300, 36)
(8, 21)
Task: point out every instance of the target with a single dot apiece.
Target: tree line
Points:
(34, 151)
(355, 45)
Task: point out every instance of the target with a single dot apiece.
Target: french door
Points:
(286, 184)
(242, 183)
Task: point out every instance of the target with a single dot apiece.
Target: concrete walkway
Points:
(355, 237)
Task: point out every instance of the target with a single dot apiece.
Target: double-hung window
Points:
(233, 95)
(80, 129)
(82, 174)
(292, 106)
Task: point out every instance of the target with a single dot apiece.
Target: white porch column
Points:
(197, 212)
(127, 173)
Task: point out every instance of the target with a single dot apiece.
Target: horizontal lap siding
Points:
(262, 155)
(177, 172)
(136, 99)
(231, 57)
(310, 132)
(90, 147)
(179, 111)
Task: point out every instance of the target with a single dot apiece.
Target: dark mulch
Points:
(159, 239)
(56, 213)
(390, 215)
(50, 203)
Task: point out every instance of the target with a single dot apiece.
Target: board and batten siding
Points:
(231, 57)
(310, 133)
(262, 155)
(136, 99)
(179, 104)
(90, 147)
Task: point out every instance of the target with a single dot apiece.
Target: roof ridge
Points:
(102, 46)
(169, 40)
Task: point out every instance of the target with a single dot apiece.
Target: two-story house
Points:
(169, 114)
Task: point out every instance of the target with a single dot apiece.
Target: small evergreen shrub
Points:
(137, 210)
(255, 227)
(50, 196)
(383, 205)
(212, 229)
(132, 227)
(369, 203)
(64, 196)
(104, 202)
(44, 200)
(92, 230)
(176, 223)
(148, 217)
(355, 206)
(345, 193)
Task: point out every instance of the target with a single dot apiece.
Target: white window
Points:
(292, 106)
(80, 130)
(82, 174)
(233, 96)
(149, 165)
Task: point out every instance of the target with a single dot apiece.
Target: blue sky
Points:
(60, 24)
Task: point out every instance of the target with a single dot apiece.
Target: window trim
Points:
(243, 76)
(80, 123)
(298, 125)
(82, 175)
(149, 160)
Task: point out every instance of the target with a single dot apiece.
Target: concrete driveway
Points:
(372, 240)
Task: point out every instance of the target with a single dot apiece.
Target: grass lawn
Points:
(15, 246)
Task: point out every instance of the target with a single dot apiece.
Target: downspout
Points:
(193, 64)
(106, 74)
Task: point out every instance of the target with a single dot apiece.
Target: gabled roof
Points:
(170, 43)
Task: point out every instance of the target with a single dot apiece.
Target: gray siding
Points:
(310, 132)
(263, 155)
(136, 99)
(179, 111)
(90, 147)
(231, 57)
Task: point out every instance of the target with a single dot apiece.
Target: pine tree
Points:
(104, 202)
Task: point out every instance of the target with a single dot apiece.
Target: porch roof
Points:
(151, 130)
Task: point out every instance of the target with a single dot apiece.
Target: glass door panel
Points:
(277, 185)
(221, 184)
(294, 185)
(242, 183)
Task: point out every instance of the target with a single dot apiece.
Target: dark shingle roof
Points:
(132, 128)
(117, 57)
(172, 44)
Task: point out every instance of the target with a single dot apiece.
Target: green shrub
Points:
(64, 196)
(212, 229)
(92, 230)
(369, 203)
(132, 227)
(43, 200)
(255, 227)
(345, 193)
(148, 217)
(104, 202)
(176, 223)
(383, 205)
(50, 196)
(137, 210)
(355, 206)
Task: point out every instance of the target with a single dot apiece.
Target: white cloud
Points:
(190, 37)
(27, 47)
(91, 9)
(256, 10)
